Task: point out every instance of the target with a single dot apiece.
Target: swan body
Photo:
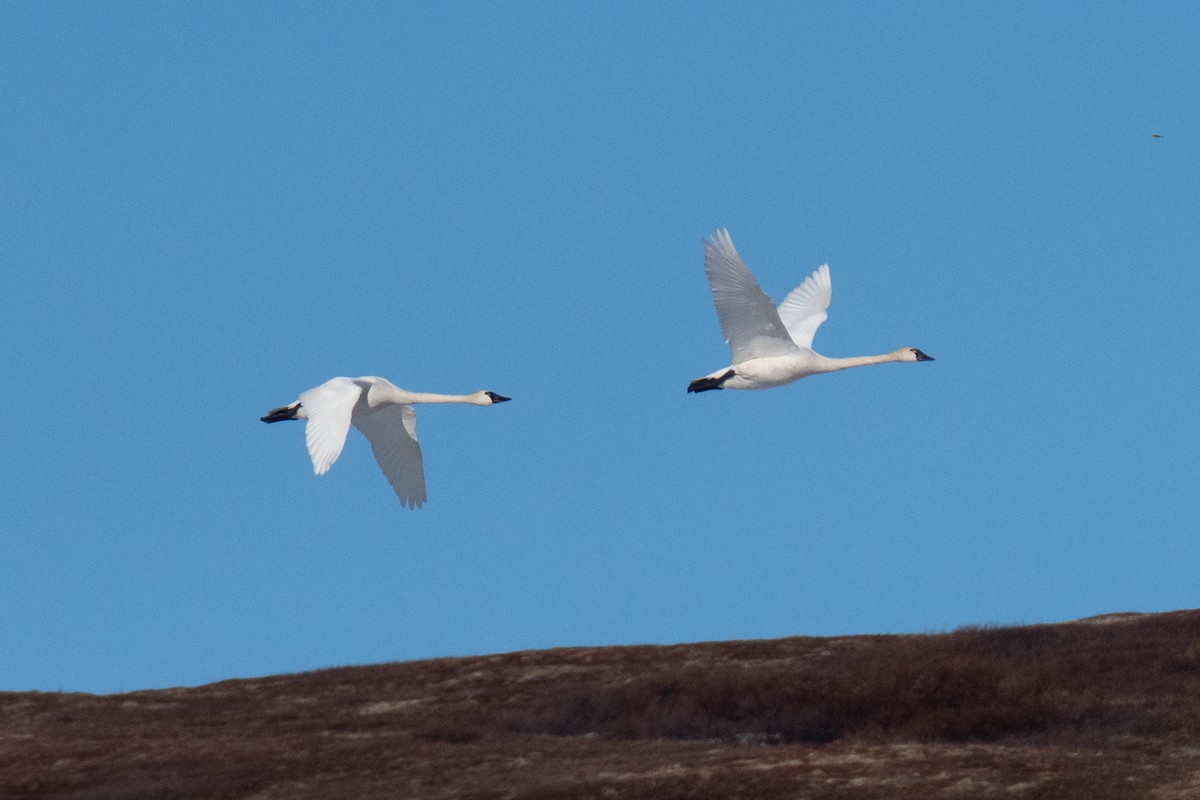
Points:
(772, 346)
(384, 413)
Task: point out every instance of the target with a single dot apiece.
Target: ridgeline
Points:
(1107, 707)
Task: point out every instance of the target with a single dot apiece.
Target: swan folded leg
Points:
(283, 413)
(710, 382)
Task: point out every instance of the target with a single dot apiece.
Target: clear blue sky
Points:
(208, 208)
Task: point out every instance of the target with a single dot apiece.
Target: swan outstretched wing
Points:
(807, 307)
(749, 320)
(328, 407)
(392, 432)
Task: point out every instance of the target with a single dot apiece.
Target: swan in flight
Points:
(772, 346)
(384, 413)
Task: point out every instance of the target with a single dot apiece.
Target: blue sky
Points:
(209, 208)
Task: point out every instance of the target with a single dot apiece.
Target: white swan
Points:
(385, 415)
(772, 346)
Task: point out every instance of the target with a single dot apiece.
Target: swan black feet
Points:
(709, 383)
(282, 413)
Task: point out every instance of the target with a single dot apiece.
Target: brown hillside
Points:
(1102, 708)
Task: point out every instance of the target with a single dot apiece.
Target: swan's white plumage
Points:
(384, 414)
(748, 316)
(772, 346)
(807, 306)
(392, 432)
(329, 409)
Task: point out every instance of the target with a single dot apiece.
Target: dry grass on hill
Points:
(1098, 709)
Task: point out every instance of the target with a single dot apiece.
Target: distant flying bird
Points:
(772, 346)
(385, 415)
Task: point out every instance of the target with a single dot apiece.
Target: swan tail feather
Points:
(282, 413)
(709, 383)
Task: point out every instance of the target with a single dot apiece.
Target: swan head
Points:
(912, 354)
(489, 398)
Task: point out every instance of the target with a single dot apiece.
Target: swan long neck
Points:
(380, 392)
(406, 397)
(834, 364)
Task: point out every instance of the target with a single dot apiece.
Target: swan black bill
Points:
(709, 384)
(922, 357)
(497, 398)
